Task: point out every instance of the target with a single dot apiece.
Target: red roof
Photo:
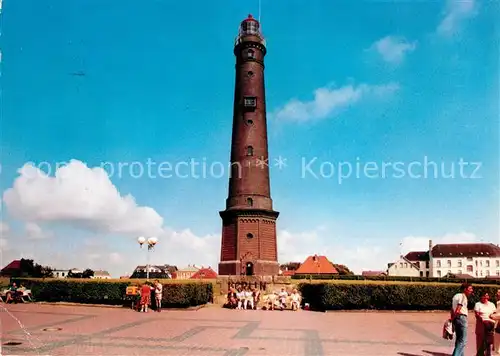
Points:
(204, 273)
(288, 273)
(250, 18)
(466, 250)
(14, 265)
(415, 256)
(463, 276)
(316, 265)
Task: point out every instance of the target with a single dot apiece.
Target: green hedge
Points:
(387, 296)
(175, 295)
(489, 281)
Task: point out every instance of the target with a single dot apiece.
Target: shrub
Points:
(179, 295)
(489, 281)
(388, 296)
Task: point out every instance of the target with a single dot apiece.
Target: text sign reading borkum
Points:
(260, 285)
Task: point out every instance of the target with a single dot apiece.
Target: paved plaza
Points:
(34, 329)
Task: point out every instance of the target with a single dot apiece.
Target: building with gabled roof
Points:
(187, 272)
(403, 268)
(101, 275)
(479, 260)
(204, 273)
(12, 269)
(316, 265)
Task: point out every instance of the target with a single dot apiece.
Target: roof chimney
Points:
(430, 245)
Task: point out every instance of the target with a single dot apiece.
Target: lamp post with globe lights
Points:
(152, 241)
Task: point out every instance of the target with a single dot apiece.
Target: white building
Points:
(60, 273)
(480, 260)
(477, 260)
(101, 275)
(63, 273)
(403, 268)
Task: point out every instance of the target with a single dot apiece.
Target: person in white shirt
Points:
(158, 295)
(240, 295)
(283, 295)
(484, 324)
(248, 299)
(295, 297)
(459, 315)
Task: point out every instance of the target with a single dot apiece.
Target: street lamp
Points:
(152, 241)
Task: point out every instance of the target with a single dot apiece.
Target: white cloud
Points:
(421, 243)
(185, 247)
(393, 48)
(358, 255)
(296, 247)
(4, 244)
(327, 101)
(4, 232)
(4, 228)
(455, 13)
(86, 198)
(35, 232)
(80, 196)
(115, 258)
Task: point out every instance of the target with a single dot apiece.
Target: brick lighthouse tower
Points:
(249, 222)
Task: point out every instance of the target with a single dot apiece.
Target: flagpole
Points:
(259, 9)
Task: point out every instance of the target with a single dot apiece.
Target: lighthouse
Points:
(249, 244)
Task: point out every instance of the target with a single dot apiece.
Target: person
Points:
(484, 324)
(248, 304)
(459, 315)
(496, 337)
(145, 297)
(295, 297)
(283, 295)
(256, 297)
(232, 300)
(158, 295)
(240, 295)
(11, 293)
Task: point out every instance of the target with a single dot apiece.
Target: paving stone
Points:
(213, 331)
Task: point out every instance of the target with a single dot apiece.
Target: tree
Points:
(343, 270)
(88, 273)
(29, 268)
(290, 266)
(43, 271)
(152, 275)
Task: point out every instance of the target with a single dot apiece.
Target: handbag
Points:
(448, 330)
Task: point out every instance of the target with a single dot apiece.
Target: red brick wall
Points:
(248, 245)
(248, 180)
(268, 240)
(228, 246)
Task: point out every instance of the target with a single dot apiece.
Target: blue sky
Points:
(364, 81)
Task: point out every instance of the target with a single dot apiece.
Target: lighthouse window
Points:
(250, 74)
(250, 102)
(249, 201)
(249, 151)
(250, 53)
(249, 236)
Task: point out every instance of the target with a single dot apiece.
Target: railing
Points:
(239, 40)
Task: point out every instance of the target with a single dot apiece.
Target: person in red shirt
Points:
(145, 297)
